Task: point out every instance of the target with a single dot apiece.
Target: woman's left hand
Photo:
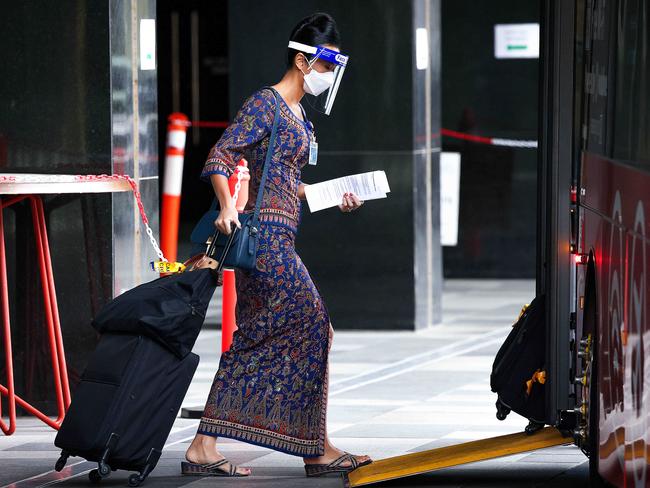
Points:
(350, 202)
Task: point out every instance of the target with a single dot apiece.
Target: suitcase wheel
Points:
(103, 469)
(502, 410)
(60, 464)
(94, 476)
(135, 480)
(533, 427)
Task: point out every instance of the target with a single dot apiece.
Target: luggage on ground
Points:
(125, 406)
(519, 371)
(132, 389)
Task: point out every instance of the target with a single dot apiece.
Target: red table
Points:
(15, 188)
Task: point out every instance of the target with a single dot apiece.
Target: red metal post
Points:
(59, 368)
(229, 299)
(10, 427)
(228, 304)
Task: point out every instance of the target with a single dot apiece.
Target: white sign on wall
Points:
(449, 197)
(147, 44)
(512, 41)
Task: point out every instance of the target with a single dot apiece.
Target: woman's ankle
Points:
(328, 452)
(202, 443)
(205, 440)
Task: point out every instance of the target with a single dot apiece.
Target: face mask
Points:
(316, 83)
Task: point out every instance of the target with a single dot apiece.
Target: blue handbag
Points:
(243, 250)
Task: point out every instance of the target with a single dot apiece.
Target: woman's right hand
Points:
(225, 219)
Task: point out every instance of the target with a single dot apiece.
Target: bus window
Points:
(598, 65)
(631, 141)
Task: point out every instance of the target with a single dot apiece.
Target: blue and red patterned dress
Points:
(271, 386)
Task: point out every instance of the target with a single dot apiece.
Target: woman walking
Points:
(271, 386)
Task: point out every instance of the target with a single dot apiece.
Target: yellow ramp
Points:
(444, 457)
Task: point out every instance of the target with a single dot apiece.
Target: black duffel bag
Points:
(519, 370)
(170, 309)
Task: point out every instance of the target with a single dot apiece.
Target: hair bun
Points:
(317, 29)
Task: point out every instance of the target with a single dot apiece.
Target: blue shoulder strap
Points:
(269, 155)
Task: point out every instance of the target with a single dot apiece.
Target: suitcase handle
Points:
(211, 249)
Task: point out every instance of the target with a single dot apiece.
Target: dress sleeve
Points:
(251, 125)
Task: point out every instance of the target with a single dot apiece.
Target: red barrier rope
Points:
(491, 141)
(466, 137)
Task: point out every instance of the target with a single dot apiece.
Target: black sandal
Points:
(210, 469)
(335, 466)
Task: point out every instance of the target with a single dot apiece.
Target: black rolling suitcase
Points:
(125, 406)
(518, 373)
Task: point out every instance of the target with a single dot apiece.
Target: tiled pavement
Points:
(391, 393)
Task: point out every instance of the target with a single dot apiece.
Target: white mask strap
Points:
(310, 64)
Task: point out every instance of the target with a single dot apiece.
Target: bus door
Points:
(557, 175)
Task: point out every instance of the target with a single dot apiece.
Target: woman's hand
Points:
(225, 219)
(350, 202)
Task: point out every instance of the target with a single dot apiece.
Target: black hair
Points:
(317, 29)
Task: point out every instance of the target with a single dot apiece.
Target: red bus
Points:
(594, 229)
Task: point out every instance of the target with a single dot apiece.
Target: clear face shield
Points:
(322, 85)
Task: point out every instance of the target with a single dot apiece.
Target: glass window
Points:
(631, 131)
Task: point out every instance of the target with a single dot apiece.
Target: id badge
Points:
(313, 153)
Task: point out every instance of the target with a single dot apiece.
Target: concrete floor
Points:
(391, 393)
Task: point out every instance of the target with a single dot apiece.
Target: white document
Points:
(366, 186)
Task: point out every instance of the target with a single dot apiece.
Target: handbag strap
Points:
(269, 155)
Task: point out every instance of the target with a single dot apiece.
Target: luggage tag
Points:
(167, 267)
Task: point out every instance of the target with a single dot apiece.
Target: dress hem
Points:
(261, 437)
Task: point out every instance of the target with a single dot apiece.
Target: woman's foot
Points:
(334, 461)
(203, 450)
(332, 454)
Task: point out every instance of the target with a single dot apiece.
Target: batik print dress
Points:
(271, 386)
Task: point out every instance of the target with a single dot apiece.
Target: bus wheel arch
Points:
(591, 339)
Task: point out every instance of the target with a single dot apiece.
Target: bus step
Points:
(444, 457)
